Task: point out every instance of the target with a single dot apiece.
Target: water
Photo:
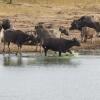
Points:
(32, 77)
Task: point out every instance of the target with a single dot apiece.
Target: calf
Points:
(42, 32)
(87, 33)
(59, 44)
(15, 36)
(63, 30)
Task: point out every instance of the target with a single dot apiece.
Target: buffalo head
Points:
(6, 24)
(63, 30)
(76, 42)
(76, 24)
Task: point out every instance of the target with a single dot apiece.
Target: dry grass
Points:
(43, 6)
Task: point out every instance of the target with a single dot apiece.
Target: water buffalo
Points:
(59, 44)
(87, 33)
(15, 36)
(63, 30)
(42, 32)
(85, 21)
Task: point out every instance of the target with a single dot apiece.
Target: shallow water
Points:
(35, 77)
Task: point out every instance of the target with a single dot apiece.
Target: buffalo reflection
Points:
(12, 61)
(33, 60)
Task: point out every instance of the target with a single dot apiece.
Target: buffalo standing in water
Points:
(59, 44)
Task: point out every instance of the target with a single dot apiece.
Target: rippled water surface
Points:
(35, 77)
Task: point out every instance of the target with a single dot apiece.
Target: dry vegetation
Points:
(25, 14)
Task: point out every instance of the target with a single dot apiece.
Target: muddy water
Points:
(35, 77)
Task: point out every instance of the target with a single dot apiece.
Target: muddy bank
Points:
(56, 15)
(31, 48)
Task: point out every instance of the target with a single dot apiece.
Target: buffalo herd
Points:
(46, 38)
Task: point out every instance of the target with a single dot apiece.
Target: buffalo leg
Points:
(4, 47)
(41, 48)
(8, 46)
(69, 51)
(36, 47)
(82, 37)
(60, 35)
(19, 49)
(45, 51)
(85, 38)
(59, 53)
(92, 40)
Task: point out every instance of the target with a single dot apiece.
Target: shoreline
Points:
(32, 49)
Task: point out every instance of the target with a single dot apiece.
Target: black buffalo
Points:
(17, 37)
(85, 21)
(59, 44)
